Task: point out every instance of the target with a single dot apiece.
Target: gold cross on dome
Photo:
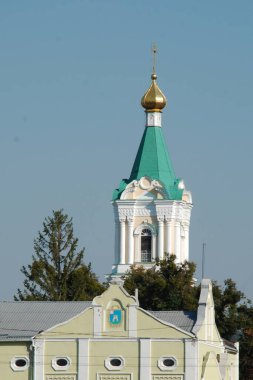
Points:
(154, 51)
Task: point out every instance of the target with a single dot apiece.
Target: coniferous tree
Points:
(57, 271)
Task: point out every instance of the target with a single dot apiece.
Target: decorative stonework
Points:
(167, 377)
(145, 188)
(141, 227)
(103, 376)
(61, 377)
(144, 212)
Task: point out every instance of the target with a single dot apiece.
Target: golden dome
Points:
(153, 100)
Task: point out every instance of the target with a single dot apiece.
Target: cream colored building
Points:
(112, 338)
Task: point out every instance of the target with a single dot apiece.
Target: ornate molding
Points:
(151, 227)
(61, 377)
(167, 377)
(147, 184)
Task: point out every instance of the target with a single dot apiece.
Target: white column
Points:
(38, 367)
(177, 242)
(122, 241)
(160, 239)
(168, 236)
(136, 249)
(130, 241)
(116, 243)
(83, 359)
(186, 243)
(145, 354)
(153, 247)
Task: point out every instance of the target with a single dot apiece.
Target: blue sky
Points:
(72, 74)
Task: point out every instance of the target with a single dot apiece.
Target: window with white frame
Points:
(114, 363)
(167, 363)
(20, 363)
(61, 363)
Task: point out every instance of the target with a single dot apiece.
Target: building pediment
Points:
(144, 189)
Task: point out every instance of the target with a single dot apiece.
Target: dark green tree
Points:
(234, 319)
(167, 286)
(57, 271)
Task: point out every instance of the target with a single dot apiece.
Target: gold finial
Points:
(153, 100)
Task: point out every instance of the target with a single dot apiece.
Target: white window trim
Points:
(114, 368)
(57, 367)
(15, 367)
(165, 368)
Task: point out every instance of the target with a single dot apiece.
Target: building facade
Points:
(112, 338)
(152, 208)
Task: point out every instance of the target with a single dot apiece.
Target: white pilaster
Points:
(38, 367)
(83, 359)
(132, 327)
(130, 241)
(191, 360)
(177, 241)
(97, 320)
(145, 354)
(116, 243)
(160, 238)
(122, 241)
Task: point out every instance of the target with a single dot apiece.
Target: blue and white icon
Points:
(115, 316)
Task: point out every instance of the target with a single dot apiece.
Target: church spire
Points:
(152, 208)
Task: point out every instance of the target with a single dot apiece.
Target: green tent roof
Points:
(153, 160)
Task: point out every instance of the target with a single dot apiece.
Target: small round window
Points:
(19, 363)
(167, 363)
(115, 363)
(61, 363)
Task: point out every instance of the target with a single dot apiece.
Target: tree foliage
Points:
(167, 286)
(234, 319)
(57, 271)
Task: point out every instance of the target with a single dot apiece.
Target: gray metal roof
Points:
(20, 320)
(185, 320)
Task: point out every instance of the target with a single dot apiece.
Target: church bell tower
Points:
(152, 208)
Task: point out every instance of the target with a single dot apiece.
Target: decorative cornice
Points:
(150, 226)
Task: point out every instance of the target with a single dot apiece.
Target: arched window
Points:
(146, 244)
